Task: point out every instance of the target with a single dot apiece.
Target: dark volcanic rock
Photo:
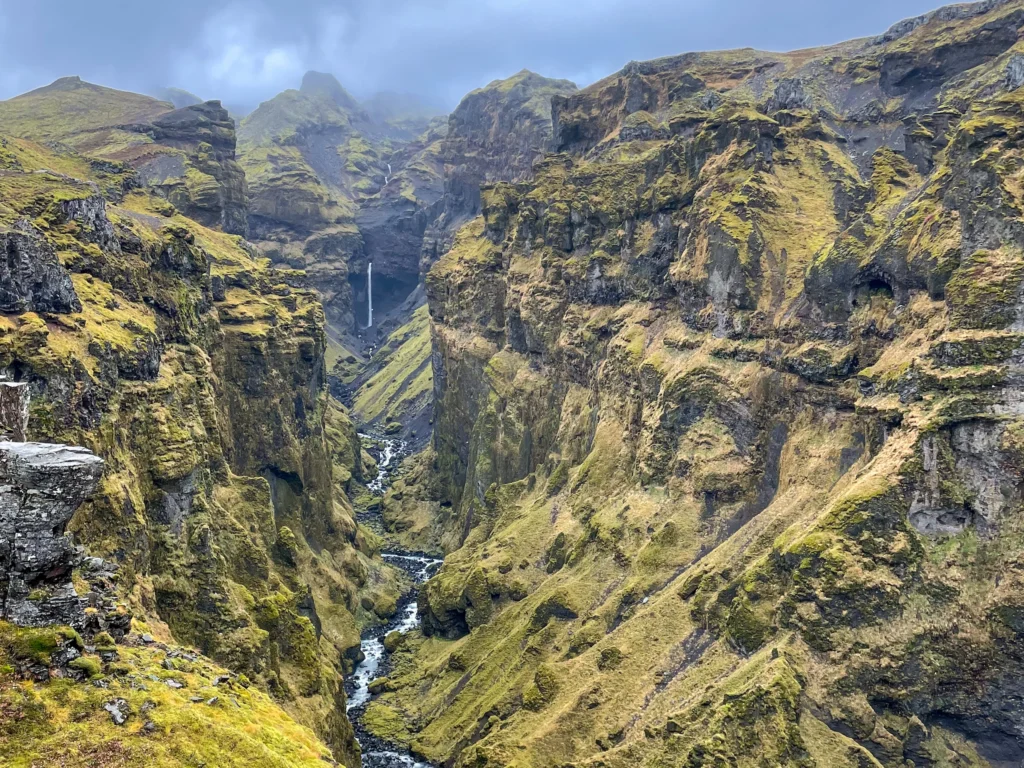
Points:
(41, 486)
(495, 134)
(14, 399)
(32, 278)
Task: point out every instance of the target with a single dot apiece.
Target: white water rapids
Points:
(419, 568)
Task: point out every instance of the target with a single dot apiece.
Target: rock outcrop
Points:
(32, 278)
(212, 189)
(728, 421)
(41, 487)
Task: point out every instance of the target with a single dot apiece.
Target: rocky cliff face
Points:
(726, 442)
(337, 187)
(197, 374)
(334, 188)
(496, 134)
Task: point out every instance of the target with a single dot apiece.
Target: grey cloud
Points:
(244, 52)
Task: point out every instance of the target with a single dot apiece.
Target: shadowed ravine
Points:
(419, 568)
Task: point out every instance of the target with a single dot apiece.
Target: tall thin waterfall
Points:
(369, 293)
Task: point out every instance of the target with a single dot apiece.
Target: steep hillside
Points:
(337, 186)
(176, 354)
(495, 134)
(727, 429)
(187, 155)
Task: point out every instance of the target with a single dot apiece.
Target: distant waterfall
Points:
(387, 178)
(369, 293)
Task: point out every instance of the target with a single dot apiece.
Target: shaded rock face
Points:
(41, 486)
(495, 134)
(14, 401)
(206, 132)
(728, 420)
(31, 277)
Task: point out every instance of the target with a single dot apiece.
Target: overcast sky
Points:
(245, 52)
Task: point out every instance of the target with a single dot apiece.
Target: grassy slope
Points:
(70, 109)
(403, 377)
(63, 722)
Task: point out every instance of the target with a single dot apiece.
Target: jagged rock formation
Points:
(41, 486)
(31, 276)
(728, 421)
(211, 187)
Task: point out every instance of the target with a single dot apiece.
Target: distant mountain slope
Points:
(187, 154)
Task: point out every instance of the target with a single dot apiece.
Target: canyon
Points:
(671, 421)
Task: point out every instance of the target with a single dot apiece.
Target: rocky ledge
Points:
(41, 486)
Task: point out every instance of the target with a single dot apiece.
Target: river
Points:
(419, 567)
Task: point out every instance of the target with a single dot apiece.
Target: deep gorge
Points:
(686, 432)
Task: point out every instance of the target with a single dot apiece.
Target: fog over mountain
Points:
(244, 53)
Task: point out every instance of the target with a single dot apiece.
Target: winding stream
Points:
(419, 567)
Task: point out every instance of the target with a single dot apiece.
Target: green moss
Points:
(64, 722)
(87, 666)
(983, 292)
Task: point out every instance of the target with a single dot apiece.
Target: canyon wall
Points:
(727, 421)
(196, 372)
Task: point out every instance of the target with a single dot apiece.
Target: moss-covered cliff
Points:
(495, 134)
(197, 373)
(727, 421)
(333, 187)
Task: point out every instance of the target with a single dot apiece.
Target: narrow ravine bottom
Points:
(419, 567)
(376, 755)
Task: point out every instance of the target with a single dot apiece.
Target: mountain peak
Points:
(326, 84)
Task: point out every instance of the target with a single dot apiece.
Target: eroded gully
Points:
(374, 664)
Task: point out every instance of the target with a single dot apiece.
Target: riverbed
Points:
(419, 567)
